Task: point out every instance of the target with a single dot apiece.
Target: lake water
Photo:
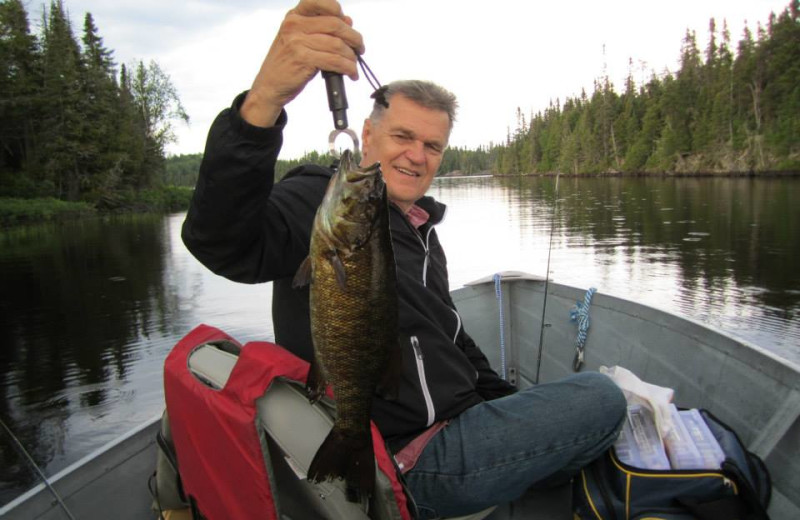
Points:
(90, 309)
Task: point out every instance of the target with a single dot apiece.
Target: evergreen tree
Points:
(98, 104)
(130, 140)
(780, 53)
(20, 79)
(62, 121)
(644, 145)
(628, 122)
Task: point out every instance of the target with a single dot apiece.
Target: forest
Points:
(75, 127)
(725, 110)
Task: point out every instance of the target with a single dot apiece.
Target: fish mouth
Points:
(363, 174)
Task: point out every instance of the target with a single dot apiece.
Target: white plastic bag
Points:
(656, 398)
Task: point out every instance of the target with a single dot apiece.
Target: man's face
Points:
(408, 141)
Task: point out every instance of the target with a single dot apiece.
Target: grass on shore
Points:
(27, 211)
(17, 211)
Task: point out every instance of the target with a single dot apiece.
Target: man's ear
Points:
(366, 134)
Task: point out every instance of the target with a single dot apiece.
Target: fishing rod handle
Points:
(337, 99)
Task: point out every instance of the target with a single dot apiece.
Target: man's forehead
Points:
(416, 119)
(402, 103)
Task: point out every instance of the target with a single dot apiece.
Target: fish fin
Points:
(303, 275)
(315, 381)
(389, 385)
(338, 268)
(346, 456)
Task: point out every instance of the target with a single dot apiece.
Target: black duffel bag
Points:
(608, 489)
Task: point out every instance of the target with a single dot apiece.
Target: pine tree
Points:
(750, 75)
(20, 79)
(628, 122)
(780, 53)
(681, 103)
(643, 154)
(99, 155)
(62, 121)
(131, 137)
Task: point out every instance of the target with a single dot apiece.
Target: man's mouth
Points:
(409, 173)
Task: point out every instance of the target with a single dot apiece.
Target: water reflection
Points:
(720, 250)
(90, 309)
(74, 299)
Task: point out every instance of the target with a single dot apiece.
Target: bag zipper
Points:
(755, 485)
(672, 473)
(423, 382)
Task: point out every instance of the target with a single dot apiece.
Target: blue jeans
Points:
(493, 452)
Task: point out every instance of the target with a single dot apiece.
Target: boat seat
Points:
(295, 429)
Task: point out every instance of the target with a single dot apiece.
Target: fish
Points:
(354, 319)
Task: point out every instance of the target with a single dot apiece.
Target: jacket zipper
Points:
(458, 324)
(425, 243)
(423, 382)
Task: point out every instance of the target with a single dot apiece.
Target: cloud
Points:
(146, 28)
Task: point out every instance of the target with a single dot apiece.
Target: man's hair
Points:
(425, 93)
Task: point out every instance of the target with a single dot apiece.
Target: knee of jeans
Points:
(607, 392)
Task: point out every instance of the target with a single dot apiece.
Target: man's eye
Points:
(401, 137)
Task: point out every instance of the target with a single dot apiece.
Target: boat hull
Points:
(747, 387)
(752, 390)
(111, 482)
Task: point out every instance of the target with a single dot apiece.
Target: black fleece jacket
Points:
(245, 227)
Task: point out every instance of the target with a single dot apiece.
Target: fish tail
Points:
(347, 456)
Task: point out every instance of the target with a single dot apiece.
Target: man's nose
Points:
(416, 151)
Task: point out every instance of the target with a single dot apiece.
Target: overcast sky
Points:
(494, 55)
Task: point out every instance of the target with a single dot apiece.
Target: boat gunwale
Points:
(625, 306)
(85, 463)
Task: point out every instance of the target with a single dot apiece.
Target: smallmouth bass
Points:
(353, 301)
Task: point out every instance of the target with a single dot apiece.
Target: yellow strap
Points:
(589, 495)
(627, 496)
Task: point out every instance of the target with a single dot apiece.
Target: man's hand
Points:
(315, 35)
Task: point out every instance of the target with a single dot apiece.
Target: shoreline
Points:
(17, 212)
(748, 174)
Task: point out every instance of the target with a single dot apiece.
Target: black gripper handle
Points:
(337, 99)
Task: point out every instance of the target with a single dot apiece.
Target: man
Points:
(466, 438)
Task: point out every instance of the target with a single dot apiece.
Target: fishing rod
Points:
(547, 279)
(35, 466)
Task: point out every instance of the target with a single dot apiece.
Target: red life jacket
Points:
(214, 431)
